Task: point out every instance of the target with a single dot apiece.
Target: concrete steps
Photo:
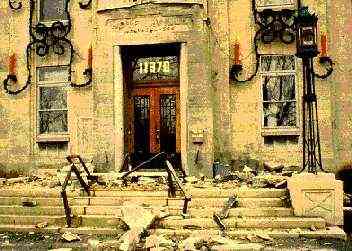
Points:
(101, 213)
(331, 232)
(177, 222)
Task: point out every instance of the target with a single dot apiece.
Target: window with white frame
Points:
(52, 100)
(52, 10)
(278, 76)
(264, 4)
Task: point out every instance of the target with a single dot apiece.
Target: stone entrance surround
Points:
(185, 26)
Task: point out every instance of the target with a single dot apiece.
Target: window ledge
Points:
(281, 132)
(43, 138)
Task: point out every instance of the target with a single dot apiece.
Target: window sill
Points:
(47, 138)
(49, 23)
(280, 132)
(277, 7)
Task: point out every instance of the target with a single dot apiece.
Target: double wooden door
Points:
(153, 121)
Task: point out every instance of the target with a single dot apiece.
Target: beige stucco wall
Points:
(228, 113)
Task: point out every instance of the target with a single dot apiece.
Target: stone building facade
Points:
(166, 64)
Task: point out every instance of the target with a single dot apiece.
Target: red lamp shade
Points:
(90, 57)
(236, 54)
(324, 45)
(12, 64)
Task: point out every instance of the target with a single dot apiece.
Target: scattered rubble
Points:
(61, 249)
(27, 202)
(267, 180)
(207, 241)
(273, 167)
(158, 242)
(264, 236)
(282, 184)
(138, 219)
(70, 237)
(42, 225)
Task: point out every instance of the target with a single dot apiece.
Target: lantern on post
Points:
(307, 49)
(306, 30)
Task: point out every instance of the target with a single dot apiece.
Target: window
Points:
(278, 78)
(266, 4)
(52, 10)
(52, 100)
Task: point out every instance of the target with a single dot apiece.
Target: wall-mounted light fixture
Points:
(237, 64)
(88, 72)
(15, 4)
(45, 39)
(306, 30)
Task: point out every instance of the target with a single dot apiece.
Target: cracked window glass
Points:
(279, 91)
(52, 10)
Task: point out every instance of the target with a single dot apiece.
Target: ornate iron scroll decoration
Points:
(85, 5)
(327, 63)
(273, 26)
(15, 4)
(43, 40)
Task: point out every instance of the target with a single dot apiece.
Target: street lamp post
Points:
(307, 49)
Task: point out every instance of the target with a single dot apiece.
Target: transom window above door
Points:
(155, 68)
(152, 63)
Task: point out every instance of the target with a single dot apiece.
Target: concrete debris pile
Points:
(270, 175)
(112, 180)
(36, 179)
(139, 219)
(208, 241)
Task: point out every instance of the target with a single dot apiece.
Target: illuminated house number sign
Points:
(156, 68)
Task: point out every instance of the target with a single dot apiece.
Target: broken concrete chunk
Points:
(238, 246)
(273, 167)
(2, 181)
(155, 242)
(129, 240)
(61, 249)
(267, 180)
(137, 217)
(70, 237)
(16, 180)
(247, 169)
(191, 179)
(281, 184)
(42, 225)
(27, 202)
(264, 236)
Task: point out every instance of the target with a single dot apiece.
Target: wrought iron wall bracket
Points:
(85, 5)
(88, 73)
(327, 63)
(15, 4)
(13, 79)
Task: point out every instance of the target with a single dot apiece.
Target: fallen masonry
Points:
(250, 205)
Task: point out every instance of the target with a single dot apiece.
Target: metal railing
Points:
(85, 186)
(171, 175)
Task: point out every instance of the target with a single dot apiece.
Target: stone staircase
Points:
(260, 211)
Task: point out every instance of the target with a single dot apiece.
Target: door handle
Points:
(157, 134)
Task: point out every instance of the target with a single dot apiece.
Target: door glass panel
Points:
(168, 123)
(141, 125)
